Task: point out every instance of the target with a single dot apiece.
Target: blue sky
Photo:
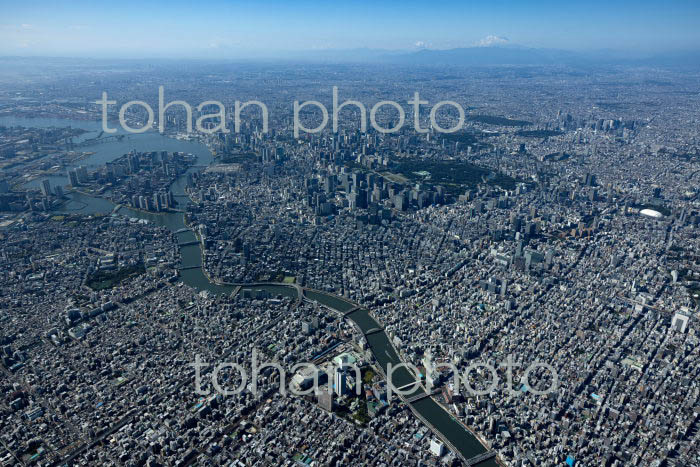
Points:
(230, 29)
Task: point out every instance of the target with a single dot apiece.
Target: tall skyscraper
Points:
(82, 174)
(340, 381)
(73, 177)
(46, 188)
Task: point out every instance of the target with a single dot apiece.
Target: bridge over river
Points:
(456, 436)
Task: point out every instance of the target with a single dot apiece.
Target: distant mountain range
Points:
(494, 55)
(501, 55)
(479, 56)
(483, 56)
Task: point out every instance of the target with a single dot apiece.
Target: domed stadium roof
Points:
(651, 213)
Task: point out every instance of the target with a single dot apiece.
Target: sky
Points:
(243, 29)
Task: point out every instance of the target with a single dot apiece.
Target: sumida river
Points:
(441, 420)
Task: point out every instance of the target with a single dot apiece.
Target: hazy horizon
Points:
(245, 30)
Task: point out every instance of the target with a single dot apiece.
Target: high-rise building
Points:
(437, 448)
(515, 222)
(73, 177)
(133, 162)
(340, 382)
(306, 328)
(46, 188)
(361, 200)
(329, 184)
(82, 174)
(325, 400)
